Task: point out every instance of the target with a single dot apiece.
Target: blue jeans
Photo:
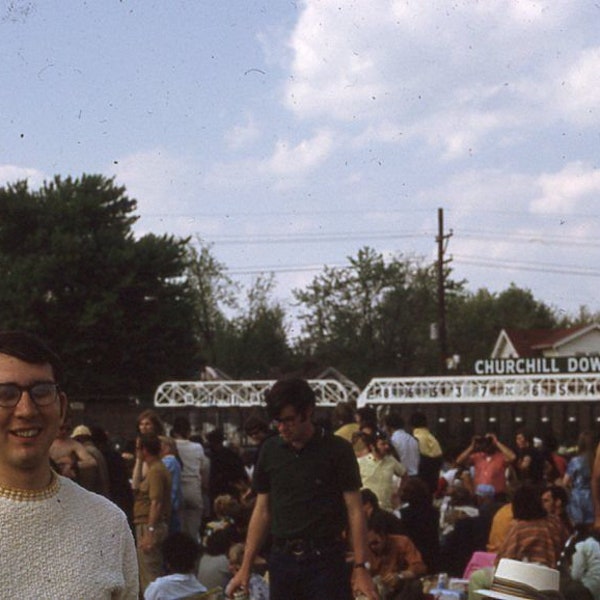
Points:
(316, 575)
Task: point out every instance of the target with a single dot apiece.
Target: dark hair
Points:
(215, 437)
(371, 439)
(527, 503)
(558, 492)
(526, 434)
(550, 442)
(416, 492)
(293, 392)
(394, 420)
(369, 497)
(181, 426)
(152, 416)
(99, 436)
(254, 424)
(180, 552)
(220, 541)
(31, 349)
(379, 523)
(461, 496)
(151, 443)
(418, 419)
(586, 446)
(367, 416)
(343, 413)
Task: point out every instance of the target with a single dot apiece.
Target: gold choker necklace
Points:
(20, 495)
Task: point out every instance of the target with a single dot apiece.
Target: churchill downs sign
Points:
(537, 366)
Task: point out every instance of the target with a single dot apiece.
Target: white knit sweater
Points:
(68, 544)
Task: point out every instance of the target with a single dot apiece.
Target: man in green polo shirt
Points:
(307, 484)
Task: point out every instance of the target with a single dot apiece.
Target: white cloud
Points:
(575, 187)
(149, 176)
(286, 167)
(166, 188)
(14, 173)
(335, 63)
(297, 159)
(579, 91)
(475, 191)
(240, 136)
(459, 133)
(453, 74)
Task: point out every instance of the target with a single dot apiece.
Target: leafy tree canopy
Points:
(116, 308)
(372, 317)
(475, 320)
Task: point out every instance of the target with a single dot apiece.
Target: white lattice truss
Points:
(518, 388)
(239, 393)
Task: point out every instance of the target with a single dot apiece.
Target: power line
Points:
(521, 213)
(382, 235)
(291, 213)
(560, 240)
(361, 211)
(280, 269)
(528, 266)
(459, 259)
(308, 238)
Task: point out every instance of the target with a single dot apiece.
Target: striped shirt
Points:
(537, 541)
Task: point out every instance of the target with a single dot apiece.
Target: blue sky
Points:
(291, 134)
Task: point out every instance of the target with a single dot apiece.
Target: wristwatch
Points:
(362, 565)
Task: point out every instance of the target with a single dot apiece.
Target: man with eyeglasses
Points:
(307, 485)
(58, 540)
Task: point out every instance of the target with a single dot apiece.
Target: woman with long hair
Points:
(578, 479)
(148, 421)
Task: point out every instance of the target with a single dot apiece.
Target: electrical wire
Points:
(528, 266)
(312, 238)
(456, 259)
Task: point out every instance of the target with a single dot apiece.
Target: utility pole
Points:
(442, 242)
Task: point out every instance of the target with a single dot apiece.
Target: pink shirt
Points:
(490, 470)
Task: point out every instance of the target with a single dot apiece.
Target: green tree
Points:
(117, 308)
(256, 339)
(214, 294)
(584, 316)
(371, 318)
(475, 320)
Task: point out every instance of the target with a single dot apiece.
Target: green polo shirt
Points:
(306, 486)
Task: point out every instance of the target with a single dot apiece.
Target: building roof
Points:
(532, 342)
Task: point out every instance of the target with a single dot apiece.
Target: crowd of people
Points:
(363, 504)
(427, 510)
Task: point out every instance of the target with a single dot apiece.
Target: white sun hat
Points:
(516, 580)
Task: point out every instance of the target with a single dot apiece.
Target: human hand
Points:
(138, 449)
(390, 579)
(239, 581)
(67, 468)
(147, 542)
(363, 584)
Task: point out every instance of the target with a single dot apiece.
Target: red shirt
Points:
(490, 470)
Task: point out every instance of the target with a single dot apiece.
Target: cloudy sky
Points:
(292, 133)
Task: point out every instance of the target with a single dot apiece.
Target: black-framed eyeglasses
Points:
(42, 393)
